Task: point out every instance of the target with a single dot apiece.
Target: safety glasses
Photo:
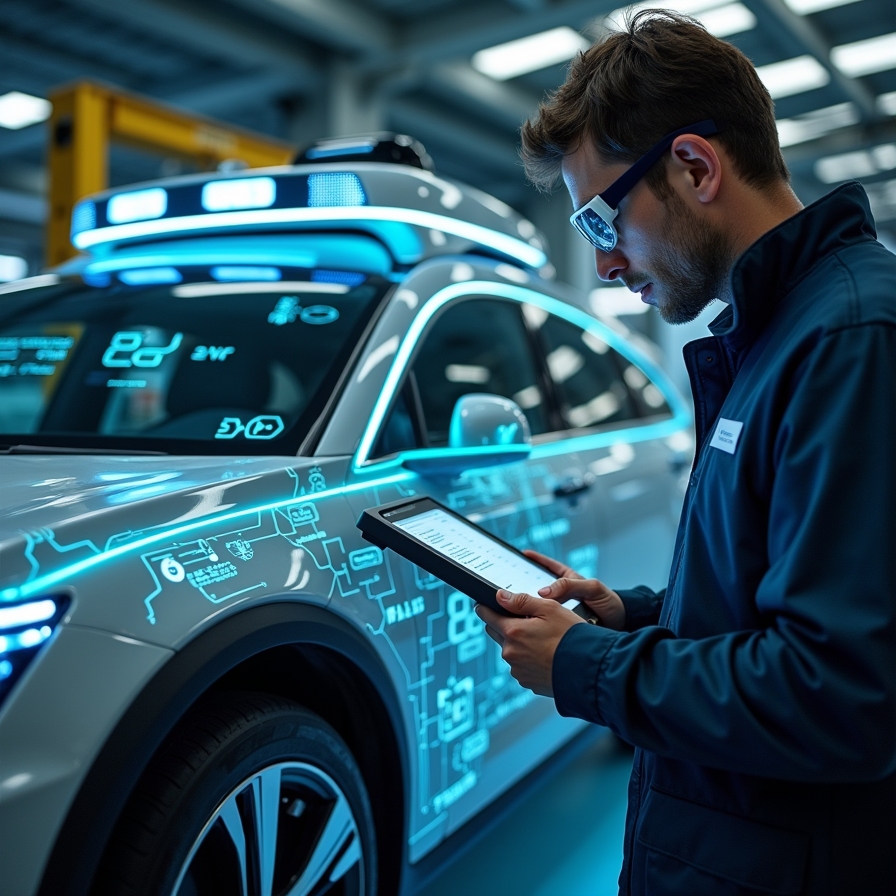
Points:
(594, 220)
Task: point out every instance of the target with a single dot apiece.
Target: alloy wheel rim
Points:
(286, 830)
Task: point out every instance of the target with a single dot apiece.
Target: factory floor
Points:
(564, 840)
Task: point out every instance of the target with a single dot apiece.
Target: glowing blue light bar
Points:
(244, 192)
(339, 149)
(485, 236)
(84, 217)
(5, 669)
(141, 205)
(26, 614)
(149, 276)
(335, 188)
(347, 278)
(236, 273)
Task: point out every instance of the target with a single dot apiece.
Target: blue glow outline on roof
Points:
(485, 236)
(681, 417)
(41, 583)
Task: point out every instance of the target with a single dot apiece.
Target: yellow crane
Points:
(88, 116)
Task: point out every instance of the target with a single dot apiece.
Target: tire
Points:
(252, 795)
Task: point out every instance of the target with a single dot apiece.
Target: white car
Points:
(209, 682)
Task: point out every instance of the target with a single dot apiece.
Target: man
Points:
(760, 686)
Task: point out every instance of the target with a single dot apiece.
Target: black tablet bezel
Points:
(377, 525)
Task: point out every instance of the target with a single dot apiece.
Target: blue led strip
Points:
(62, 575)
(681, 416)
(476, 233)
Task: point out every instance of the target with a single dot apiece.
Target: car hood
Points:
(44, 491)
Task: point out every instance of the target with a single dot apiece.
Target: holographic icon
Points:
(316, 479)
(241, 549)
(229, 427)
(172, 570)
(319, 314)
(455, 703)
(262, 427)
(285, 311)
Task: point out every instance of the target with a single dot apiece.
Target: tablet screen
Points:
(474, 550)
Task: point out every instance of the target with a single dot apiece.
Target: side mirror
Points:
(481, 419)
(485, 430)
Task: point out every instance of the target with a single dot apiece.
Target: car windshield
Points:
(196, 366)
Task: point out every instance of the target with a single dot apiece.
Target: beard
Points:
(692, 265)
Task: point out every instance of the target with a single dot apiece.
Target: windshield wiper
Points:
(61, 449)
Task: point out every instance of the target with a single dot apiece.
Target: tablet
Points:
(458, 552)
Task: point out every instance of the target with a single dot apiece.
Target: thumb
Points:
(519, 604)
(559, 588)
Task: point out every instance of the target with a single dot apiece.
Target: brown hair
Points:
(662, 73)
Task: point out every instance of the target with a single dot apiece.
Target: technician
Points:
(760, 686)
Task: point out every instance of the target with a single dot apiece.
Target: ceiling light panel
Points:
(793, 76)
(807, 7)
(864, 57)
(849, 165)
(813, 125)
(529, 54)
(720, 19)
(18, 110)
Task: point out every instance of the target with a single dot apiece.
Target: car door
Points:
(621, 422)
(479, 729)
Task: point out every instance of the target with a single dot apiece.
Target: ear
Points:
(696, 165)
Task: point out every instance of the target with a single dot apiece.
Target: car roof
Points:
(413, 212)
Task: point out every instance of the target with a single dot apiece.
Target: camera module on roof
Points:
(398, 149)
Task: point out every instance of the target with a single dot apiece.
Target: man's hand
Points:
(529, 639)
(604, 603)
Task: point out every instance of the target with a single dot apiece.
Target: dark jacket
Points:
(760, 686)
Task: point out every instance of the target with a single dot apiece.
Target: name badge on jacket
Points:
(726, 435)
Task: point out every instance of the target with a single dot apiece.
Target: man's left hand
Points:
(529, 639)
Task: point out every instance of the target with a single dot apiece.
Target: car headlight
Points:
(24, 629)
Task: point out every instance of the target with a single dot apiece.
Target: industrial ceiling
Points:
(302, 69)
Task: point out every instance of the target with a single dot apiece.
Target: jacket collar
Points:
(779, 259)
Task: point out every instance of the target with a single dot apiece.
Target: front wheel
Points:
(251, 796)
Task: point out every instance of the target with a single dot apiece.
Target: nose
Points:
(610, 265)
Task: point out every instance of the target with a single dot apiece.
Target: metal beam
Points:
(215, 100)
(455, 135)
(210, 36)
(460, 33)
(813, 42)
(803, 156)
(503, 104)
(338, 24)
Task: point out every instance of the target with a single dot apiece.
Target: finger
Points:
(520, 604)
(494, 635)
(560, 589)
(488, 615)
(555, 566)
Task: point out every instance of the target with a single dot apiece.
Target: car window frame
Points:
(414, 402)
(679, 418)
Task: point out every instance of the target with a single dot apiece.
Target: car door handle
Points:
(573, 485)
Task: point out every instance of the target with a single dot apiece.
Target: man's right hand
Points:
(603, 602)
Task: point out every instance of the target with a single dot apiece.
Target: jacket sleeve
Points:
(811, 696)
(642, 606)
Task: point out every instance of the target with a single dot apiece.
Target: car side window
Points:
(477, 345)
(588, 375)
